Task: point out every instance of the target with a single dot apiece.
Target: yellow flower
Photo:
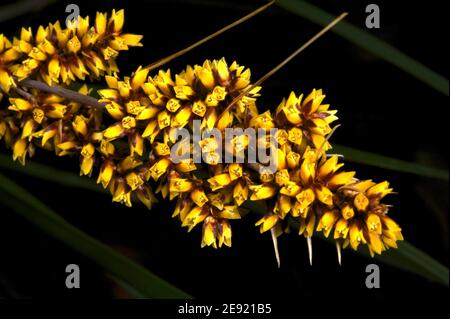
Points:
(217, 200)
(8, 56)
(235, 170)
(391, 232)
(182, 208)
(304, 200)
(88, 159)
(209, 232)
(356, 236)
(86, 166)
(214, 230)
(146, 196)
(224, 233)
(80, 125)
(293, 159)
(361, 202)
(134, 180)
(159, 168)
(161, 149)
(229, 212)
(199, 108)
(290, 189)
(267, 222)
(263, 120)
(341, 229)
(307, 225)
(121, 192)
(379, 190)
(114, 131)
(20, 105)
(308, 171)
(310, 115)
(224, 121)
(375, 244)
(240, 193)
(173, 105)
(199, 197)
(282, 206)
(282, 177)
(186, 166)
(138, 78)
(180, 185)
(222, 70)
(348, 212)
(181, 118)
(219, 181)
(136, 144)
(260, 192)
(67, 147)
(106, 173)
(164, 119)
(195, 216)
(205, 75)
(330, 166)
(295, 135)
(20, 150)
(324, 195)
(289, 108)
(327, 221)
(38, 115)
(373, 223)
(340, 179)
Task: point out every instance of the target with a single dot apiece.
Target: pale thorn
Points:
(275, 245)
(310, 252)
(339, 255)
(331, 155)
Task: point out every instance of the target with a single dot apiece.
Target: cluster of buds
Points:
(59, 55)
(130, 142)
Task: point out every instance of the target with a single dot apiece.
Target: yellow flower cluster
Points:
(59, 55)
(131, 142)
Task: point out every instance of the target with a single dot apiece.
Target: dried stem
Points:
(66, 93)
(24, 94)
(289, 58)
(207, 38)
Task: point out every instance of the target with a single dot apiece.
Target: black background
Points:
(381, 109)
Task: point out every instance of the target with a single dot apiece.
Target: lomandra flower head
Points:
(128, 139)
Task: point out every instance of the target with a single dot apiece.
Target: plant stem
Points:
(66, 93)
(24, 94)
(165, 60)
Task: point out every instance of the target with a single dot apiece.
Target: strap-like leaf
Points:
(355, 155)
(370, 43)
(143, 282)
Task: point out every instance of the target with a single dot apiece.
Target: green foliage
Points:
(131, 275)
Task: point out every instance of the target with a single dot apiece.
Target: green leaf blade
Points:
(368, 158)
(370, 43)
(142, 281)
